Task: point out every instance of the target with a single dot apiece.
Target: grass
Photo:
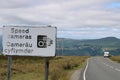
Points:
(115, 58)
(32, 68)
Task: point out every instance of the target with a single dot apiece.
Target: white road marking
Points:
(104, 63)
(84, 73)
(117, 69)
(111, 67)
(84, 76)
(107, 65)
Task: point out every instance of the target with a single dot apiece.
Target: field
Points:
(115, 58)
(32, 68)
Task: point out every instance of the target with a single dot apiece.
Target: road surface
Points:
(99, 68)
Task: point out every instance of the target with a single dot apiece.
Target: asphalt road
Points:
(99, 68)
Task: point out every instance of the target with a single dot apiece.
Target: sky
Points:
(77, 19)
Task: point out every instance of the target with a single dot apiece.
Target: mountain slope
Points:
(104, 42)
(89, 47)
(85, 47)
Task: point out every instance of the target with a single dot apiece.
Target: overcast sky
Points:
(78, 19)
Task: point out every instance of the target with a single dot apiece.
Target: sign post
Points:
(46, 68)
(9, 67)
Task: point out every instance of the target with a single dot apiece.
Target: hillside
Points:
(90, 47)
(103, 42)
(0, 42)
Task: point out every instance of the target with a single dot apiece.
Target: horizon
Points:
(84, 39)
(88, 38)
(86, 33)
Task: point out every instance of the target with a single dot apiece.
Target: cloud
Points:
(17, 3)
(70, 16)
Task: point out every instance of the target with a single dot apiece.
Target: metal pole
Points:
(62, 46)
(46, 68)
(9, 67)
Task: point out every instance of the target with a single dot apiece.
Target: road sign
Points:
(29, 41)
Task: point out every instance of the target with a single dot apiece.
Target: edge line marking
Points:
(84, 76)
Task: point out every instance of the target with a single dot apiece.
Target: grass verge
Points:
(32, 68)
(115, 58)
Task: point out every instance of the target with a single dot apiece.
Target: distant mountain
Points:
(103, 42)
(90, 47)
(0, 42)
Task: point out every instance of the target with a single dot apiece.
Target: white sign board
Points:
(29, 41)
